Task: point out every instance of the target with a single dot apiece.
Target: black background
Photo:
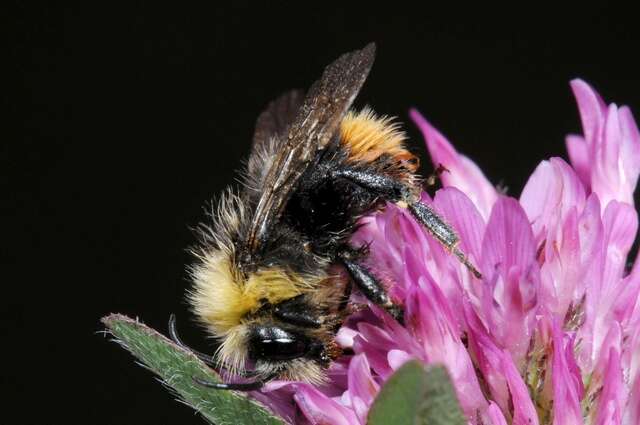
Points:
(126, 120)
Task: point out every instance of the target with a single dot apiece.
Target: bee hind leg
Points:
(442, 232)
(394, 190)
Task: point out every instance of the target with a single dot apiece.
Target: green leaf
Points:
(177, 368)
(415, 395)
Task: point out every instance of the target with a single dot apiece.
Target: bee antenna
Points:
(173, 334)
(237, 386)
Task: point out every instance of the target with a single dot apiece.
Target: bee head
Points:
(288, 352)
(275, 343)
(274, 348)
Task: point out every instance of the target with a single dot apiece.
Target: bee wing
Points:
(275, 120)
(316, 123)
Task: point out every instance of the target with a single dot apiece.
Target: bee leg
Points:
(234, 386)
(173, 334)
(370, 286)
(205, 358)
(380, 184)
(391, 189)
(297, 311)
(237, 386)
(442, 232)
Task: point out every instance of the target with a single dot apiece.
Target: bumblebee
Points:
(275, 270)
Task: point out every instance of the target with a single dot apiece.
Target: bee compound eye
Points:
(275, 343)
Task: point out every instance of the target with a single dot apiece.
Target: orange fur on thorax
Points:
(369, 137)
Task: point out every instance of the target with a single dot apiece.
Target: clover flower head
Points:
(550, 334)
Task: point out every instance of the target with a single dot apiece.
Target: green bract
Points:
(177, 368)
(417, 395)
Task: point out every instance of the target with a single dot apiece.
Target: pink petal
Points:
(362, 387)
(397, 358)
(437, 332)
(430, 256)
(320, 409)
(621, 225)
(386, 239)
(627, 305)
(541, 196)
(606, 174)
(633, 348)
(567, 385)
(612, 398)
(345, 337)
(494, 415)
(488, 357)
(630, 149)
(592, 110)
(378, 340)
(463, 216)
(632, 366)
(511, 270)
(632, 412)
(591, 235)
(337, 374)
(573, 191)
(400, 334)
(375, 348)
(360, 408)
(508, 240)
(524, 412)
(580, 158)
(552, 190)
(277, 396)
(605, 291)
(562, 271)
(608, 159)
(463, 173)
(572, 366)
(612, 341)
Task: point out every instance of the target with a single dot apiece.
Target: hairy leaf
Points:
(177, 368)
